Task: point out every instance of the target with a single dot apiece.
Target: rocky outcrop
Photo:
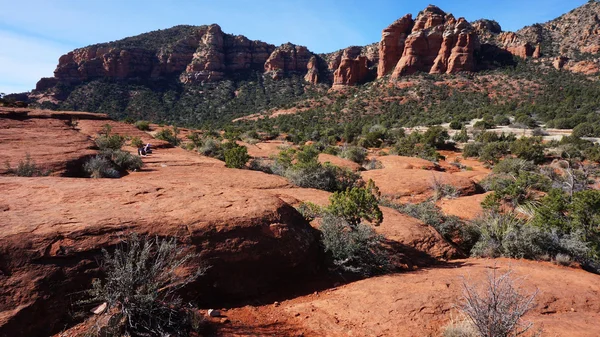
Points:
(517, 46)
(288, 58)
(456, 52)
(438, 43)
(53, 229)
(46, 137)
(392, 43)
(352, 69)
(198, 54)
(312, 74)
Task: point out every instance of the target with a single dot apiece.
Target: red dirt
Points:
(421, 302)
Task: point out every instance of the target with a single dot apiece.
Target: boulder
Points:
(341, 162)
(415, 185)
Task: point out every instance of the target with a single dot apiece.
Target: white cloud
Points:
(24, 60)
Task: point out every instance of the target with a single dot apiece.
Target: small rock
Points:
(276, 304)
(214, 313)
(297, 314)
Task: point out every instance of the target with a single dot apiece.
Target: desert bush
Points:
(137, 142)
(373, 164)
(110, 142)
(142, 278)
(308, 172)
(528, 148)
(514, 166)
(26, 168)
(497, 307)
(310, 211)
(563, 259)
(211, 147)
(168, 135)
(100, 167)
(460, 328)
(462, 136)
(325, 177)
(501, 120)
(124, 160)
(260, 164)
(483, 125)
(236, 156)
(491, 153)
(472, 150)
(354, 153)
(441, 190)
(456, 125)
(357, 204)
(142, 125)
(353, 248)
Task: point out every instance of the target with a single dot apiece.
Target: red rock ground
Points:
(243, 222)
(422, 302)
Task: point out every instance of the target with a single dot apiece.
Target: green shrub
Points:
(356, 249)
(501, 120)
(140, 287)
(137, 142)
(26, 168)
(514, 166)
(100, 167)
(354, 153)
(124, 160)
(472, 150)
(529, 148)
(142, 125)
(211, 147)
(168, 135)
(357, 204)
(110, 142)
(236, 156)
(491, 153)
(462, 136)
(483, 125)
(456, 125)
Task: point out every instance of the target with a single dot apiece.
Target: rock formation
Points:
(53, 228)
(515, 45)
(392, 43)
(288, 57)
(434, 42)
(437, 43)
(352, 69)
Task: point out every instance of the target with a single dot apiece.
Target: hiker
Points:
(147, 148)
(142, 151)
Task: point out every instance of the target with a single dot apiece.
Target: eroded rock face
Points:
(288, 57)
(392, 43)
(515, 45)
(312, 75)
(437, 44)
(204, 54)
(353, 68)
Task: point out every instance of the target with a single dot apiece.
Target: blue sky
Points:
(35, 33)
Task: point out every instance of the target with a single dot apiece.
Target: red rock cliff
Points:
(437, 43)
